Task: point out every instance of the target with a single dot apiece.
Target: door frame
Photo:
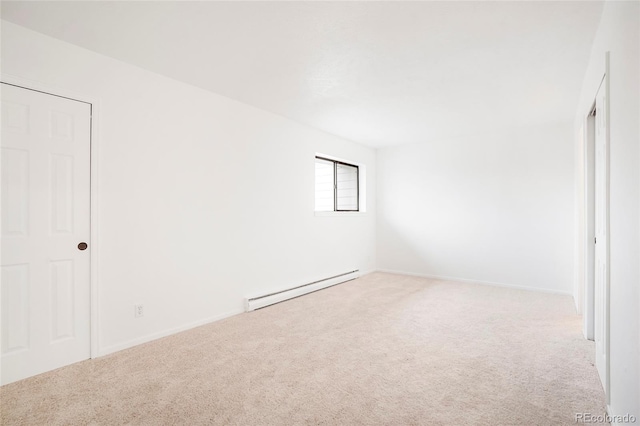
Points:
(588, 286)
(587, 233)
(94, 198)
(607, 230)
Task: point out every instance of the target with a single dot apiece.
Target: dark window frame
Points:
(335, 183)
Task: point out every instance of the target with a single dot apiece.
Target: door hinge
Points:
(595, 240)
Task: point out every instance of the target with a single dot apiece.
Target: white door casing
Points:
(601, 273)
(589, 209)
(45, 279)
(587, 219)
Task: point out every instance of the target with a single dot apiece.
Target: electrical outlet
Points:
(138, 311)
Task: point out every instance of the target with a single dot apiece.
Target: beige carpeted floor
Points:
(381, 350)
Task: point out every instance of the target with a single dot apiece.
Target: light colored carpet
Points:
(381, 350)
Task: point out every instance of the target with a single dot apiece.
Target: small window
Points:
(337, 186)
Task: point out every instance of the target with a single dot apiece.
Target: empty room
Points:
(310, 212)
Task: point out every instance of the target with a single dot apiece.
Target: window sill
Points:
(353, 214)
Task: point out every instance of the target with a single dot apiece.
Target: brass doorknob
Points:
(82, 246)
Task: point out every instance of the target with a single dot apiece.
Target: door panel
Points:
(45, 187)
(15, 192)
(15, 308)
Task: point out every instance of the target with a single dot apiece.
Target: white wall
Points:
(495, 208)
(619, 34)
(197, 205)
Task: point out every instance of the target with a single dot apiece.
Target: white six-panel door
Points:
(45, 289)
(601, 291)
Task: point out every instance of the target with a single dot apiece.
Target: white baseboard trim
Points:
(261, 301)
(470, 281)
(154, 336)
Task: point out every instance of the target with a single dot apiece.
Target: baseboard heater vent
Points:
(253, 303)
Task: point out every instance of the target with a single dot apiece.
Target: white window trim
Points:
(353, 214)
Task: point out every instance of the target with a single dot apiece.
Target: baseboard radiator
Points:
(257, 302)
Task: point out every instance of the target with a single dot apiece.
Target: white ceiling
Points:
(379, 73)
